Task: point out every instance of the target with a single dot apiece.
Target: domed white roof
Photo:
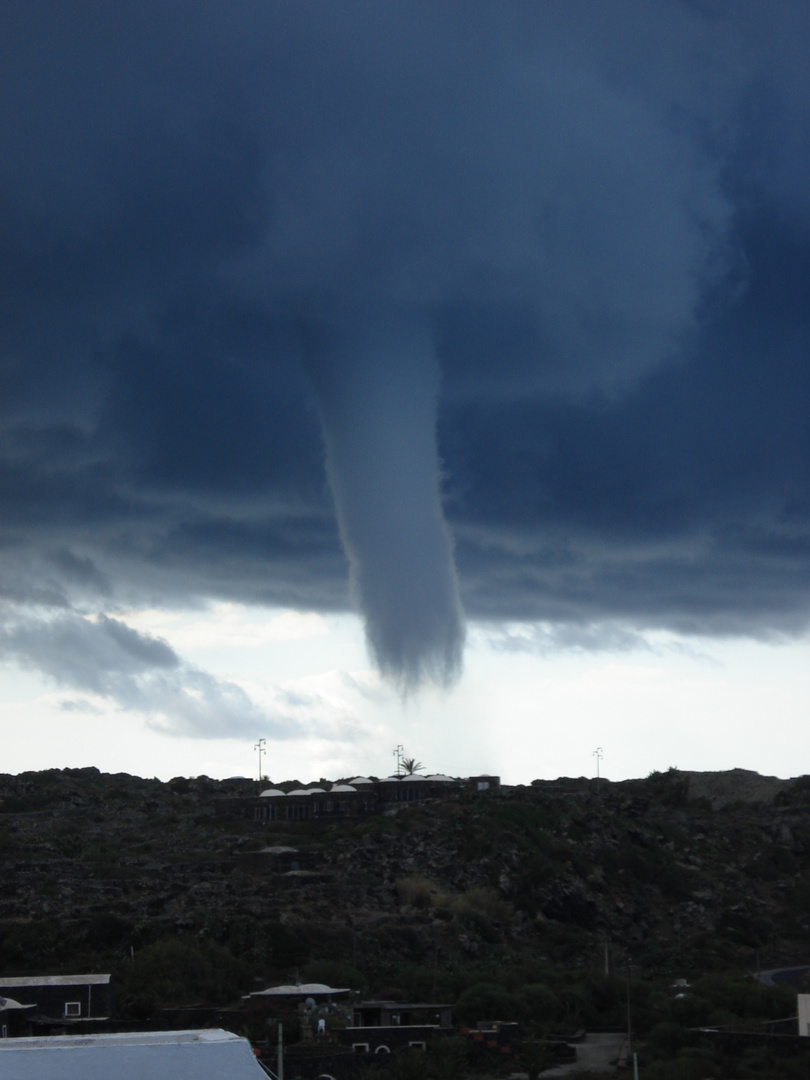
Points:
(307, 791)
(342, 787)
(270, 792)
(440, 776)
(416, 776)
(299, 990)
(361, 780)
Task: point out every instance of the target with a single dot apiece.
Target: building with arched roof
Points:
(363, 795)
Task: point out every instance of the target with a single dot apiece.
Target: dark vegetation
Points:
(505, 904)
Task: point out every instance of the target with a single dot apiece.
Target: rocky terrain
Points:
(660, 869)
(175, 889)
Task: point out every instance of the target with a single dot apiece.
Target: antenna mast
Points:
(260, 747)
(598, 755)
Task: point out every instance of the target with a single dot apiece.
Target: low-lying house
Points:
(313, 1003)
(381, 1027)
(304, 804)
(297, 993)
(63, 997)
(277, 859)
(361, 796)
(15, 1018)
(415, 788)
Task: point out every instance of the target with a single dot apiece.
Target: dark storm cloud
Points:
(280, 282)
(684, 505)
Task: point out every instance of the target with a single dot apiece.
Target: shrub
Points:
(670, 788)
(668, 1038)
(487, 902)
(418, 891)
(487, 1001)
(182, 971)
(692, 1010)
(539, 1006)
(479, 925)
(447, 1057)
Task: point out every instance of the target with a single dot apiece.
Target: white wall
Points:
(804, 1014)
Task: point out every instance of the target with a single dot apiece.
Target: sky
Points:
(386, 373)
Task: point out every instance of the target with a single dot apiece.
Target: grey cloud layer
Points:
(134, 671)
(596, 216)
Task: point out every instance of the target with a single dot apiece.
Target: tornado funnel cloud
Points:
(376, 380)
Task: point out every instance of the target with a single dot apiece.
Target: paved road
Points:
(597, 1053)
(792, 976)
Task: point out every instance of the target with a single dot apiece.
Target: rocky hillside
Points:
(680, 874)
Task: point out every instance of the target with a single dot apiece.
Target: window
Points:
(73, 1008)
(360, 1048)
(417, 1045)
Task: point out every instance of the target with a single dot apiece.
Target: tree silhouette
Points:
(411, 765)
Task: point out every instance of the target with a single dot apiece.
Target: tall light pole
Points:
(398, 756)
(260, 747)
(630, 1051)
(598, 755)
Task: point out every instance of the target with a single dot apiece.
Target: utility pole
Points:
(398, 756)
(598, 755)
(260, 747)
(678, 928)
(629, 1015)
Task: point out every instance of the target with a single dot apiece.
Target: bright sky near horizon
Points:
(699, 704)
(456, 350)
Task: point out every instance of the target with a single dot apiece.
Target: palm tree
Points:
(411, 765)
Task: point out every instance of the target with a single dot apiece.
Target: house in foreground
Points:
(15, 1018)
(298, 994)
(383, 1027)
(159, 1055)
(62, 997)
